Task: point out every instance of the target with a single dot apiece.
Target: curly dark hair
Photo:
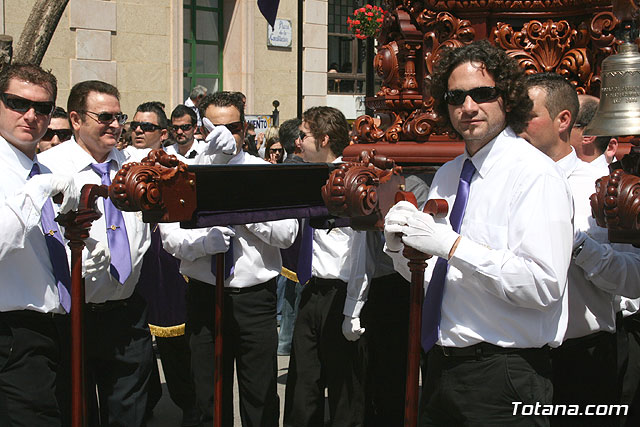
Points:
(508, 76)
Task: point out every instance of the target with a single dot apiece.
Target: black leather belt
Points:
(254, 288)
(480, 350)
(107, 305)
(234, 290)
(31, 314)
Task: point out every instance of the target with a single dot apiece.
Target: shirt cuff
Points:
(353, 307)
(590, 255)
(468, 255)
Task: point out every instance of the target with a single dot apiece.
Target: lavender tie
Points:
(305, 255)
(433, 300)
(116, 230)
(57, 252)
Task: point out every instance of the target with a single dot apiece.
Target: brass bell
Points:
(618, 112)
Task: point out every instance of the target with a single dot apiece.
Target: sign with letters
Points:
(260, 122)
(281, 35)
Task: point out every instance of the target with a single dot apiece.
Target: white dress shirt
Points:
(69, 157)
(507, 278)
(606, 263)
(26, 274)
(601, 163)
(331, 248)
(197, 147)
(592, 286)
(256, 247)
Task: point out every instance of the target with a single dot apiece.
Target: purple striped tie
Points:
(57, 252)
(433, 300)
(116, 230)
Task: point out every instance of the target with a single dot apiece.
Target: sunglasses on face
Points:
(478, 94)
(22, 105)
(276, 150)
(184, 128)
(145, 126)
(235, 127)
(108, 118)
(62, 134)
(302, 136)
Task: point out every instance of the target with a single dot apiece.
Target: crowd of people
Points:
(527, 305)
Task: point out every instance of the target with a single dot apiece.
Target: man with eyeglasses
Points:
(597, 150)
(321, 357)
(585, 365)
(34, 272)
(496, 298)
(253, 263)
(118, 352)
(59, 130)
(148, 130)
(183, 128)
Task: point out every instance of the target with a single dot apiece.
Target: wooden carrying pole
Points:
(217, 357)
(77, 225)
(417, 265)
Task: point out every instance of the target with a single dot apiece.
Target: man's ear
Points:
(164, 134)
(75, 119)
(610, 152)
(325, 141)
(588, 139)
(563, 119)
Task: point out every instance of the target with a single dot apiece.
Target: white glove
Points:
(218, 240)
(396, 219)
(99, 258)
(426, 235)
(351, 328)
(220, 140)
(52, 184)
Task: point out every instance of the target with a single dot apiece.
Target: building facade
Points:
(157, 50)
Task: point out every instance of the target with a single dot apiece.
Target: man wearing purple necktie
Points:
(118, 352)
(496, 299)
(34, 272)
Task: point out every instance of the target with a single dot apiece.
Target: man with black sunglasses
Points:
(148, 129)
(118, 351)
(34, 271)
(496, 296)
(249, 331)
(183, 128)
(59, 130)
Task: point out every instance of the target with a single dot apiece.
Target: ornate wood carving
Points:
(363, 190)
(569, 37)
(160, 186)
(616, 206)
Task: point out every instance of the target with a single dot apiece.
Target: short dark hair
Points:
(331, 122)
(80, 92)
(587, 112)
(289, 131)
(601, 143)
(182, 110)
(29, 73)
(222, 99)
(59, 113)
(560, 95)
(154, 107)
(503, 69)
